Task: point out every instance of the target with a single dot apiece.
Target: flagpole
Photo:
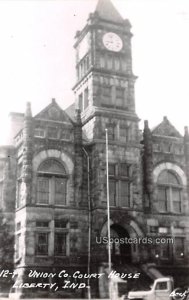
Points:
(108, 202)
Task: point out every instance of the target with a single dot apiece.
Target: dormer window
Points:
(52, 132)
(39, 132)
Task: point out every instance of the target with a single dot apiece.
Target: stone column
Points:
(78, 170)
(25, 194)
(147, 167)
(26, 185)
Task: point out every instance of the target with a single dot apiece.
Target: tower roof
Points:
(107, 11)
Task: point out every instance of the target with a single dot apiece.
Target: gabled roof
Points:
(70, 110)
(53, 112)
(107, 11)
(165, 128)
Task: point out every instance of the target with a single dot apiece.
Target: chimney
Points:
(15, 124)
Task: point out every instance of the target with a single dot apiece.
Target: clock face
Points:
(112, 41)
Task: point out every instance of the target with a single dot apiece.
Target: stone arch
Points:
(132, 227)
(127, 251)
(171, 167)
(63, 157)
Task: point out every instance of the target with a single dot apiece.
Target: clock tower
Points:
(104, 93)
(105, 81)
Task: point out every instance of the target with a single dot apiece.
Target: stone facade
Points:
(53, 174)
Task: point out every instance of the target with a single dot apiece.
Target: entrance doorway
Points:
(120, 250)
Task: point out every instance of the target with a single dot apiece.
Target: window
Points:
(60, 243)
(87, 62)
(51, 183)
(112, 192)
(52, 132)
(112, 184)
(60, 224)
(163, 230)
(124, 65)
(110, 62)
(66, 134)
(80, 102)
(119, 185)
(111, 131)
(18, 226)
(120, 97)
(124, 193)
(102, 61)
(124, 173)
(44, 224)
(124, 133)
(165, 251)
(60, 190)
(117, 64)
(39, 132)
(167, 147)
(176, 197)
(124, 170)
(86, 98)
(42, 243)
(106, 96)
(112, 169)
(163, 199)
(179, 247)
(19, 198)
(169, 192)
(18, 245)
(43, 190)
(161, 286)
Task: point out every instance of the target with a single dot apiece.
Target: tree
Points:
(6, 252)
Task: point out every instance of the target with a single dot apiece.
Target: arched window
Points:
(51, 183)
(169, 192)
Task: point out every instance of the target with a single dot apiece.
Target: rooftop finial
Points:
(146, 124)
(186, 133)
(165, 119)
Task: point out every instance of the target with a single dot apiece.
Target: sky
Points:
(37, 59)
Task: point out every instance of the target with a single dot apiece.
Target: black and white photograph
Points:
(94, 149)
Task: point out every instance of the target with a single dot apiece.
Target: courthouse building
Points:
(53, 172)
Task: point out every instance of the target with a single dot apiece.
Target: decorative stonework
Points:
(169, 166)
(53, 153)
